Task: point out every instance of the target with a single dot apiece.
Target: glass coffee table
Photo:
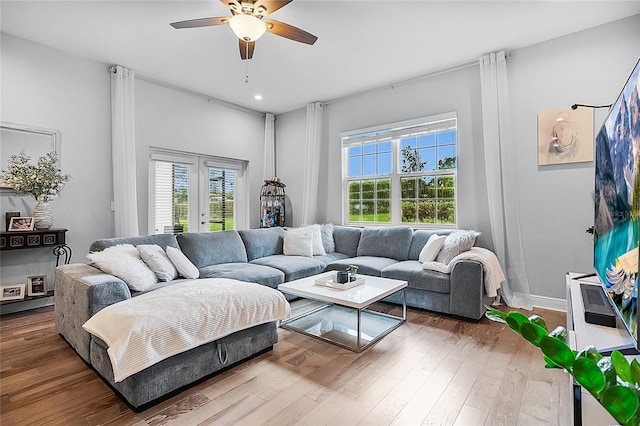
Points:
(344, 317)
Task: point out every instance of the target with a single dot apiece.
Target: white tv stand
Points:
(586, 410)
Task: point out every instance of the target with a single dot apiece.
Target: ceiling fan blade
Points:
(233, 5)
(270, 6)
(246, 49)
(289, 31)
(201, 22)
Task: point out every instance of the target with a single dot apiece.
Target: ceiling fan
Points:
(248, 24)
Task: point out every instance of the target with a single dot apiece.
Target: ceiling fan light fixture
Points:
(247, 27)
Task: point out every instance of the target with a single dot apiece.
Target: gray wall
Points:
(173, 119)
(555, 202)
(48, 88)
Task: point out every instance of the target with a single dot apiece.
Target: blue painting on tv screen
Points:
(617, 202)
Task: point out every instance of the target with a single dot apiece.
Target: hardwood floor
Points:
(434, 370)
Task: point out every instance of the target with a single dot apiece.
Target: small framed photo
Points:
(21, 224)
(12, 292)
(37, 285)
(8, 216)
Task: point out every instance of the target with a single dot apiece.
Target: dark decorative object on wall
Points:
(272, 210)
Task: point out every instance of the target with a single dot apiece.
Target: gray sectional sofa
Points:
(254, 255)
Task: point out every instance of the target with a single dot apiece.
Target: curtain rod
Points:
(142, 77)
(413, 79)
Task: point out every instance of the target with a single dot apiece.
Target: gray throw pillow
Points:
(328, 243)
(457, 242)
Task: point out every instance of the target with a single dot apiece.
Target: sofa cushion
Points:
(392, 242)
(346, 240)
(330, 257)
(420, 238)
(212, 248)
(245, 272)
(163, 240)
(367, 265)
(262, 242)
(411, 271)
(294, 267)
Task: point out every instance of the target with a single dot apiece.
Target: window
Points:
(190, 193)
(402, 173)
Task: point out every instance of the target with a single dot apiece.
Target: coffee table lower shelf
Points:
(340, 324)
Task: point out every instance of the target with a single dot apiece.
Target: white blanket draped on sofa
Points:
(493, 274)
(146, 329)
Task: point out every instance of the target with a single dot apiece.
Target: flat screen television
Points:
(617, 203)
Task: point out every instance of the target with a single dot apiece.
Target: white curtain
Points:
(269, 164)
(312, 161)
(123, 152)
(499, 158)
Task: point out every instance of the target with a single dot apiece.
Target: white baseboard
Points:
(551, 303)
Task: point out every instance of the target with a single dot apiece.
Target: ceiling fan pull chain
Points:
(246, 79)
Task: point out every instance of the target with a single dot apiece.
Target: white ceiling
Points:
(361, 44)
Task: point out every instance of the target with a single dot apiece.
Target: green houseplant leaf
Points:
(590, 352)
(621, 402)
(557, 351)
(533, 333)
(622, 367)
(515, 320)
(635, 371)
(587, 373)
(539, 321)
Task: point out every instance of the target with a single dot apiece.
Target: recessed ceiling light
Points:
(257, 97)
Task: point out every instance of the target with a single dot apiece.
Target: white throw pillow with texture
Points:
(123, 261)
(158, 261)
(316, 233)
(182, 263)
(457, 242)
(298, 242)
(432, 248)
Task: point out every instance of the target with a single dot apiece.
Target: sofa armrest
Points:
(467, 289)
(81, 291)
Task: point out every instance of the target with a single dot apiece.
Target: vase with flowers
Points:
(43, 181)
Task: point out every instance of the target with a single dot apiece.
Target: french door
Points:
(190, 193)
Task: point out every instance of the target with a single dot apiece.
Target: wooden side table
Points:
(22, 240)
(54, 237)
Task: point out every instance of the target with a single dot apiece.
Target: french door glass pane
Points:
(171, 197)
(222, 195)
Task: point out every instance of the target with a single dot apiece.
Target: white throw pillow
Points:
(432, 248)
(123, 261)
(298, 242)
(457, 242)
(182, 263)
(318, 247)
(158, 261)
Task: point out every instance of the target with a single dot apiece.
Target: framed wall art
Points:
(565, 135)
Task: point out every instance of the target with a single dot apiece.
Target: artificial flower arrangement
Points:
(43, 181)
